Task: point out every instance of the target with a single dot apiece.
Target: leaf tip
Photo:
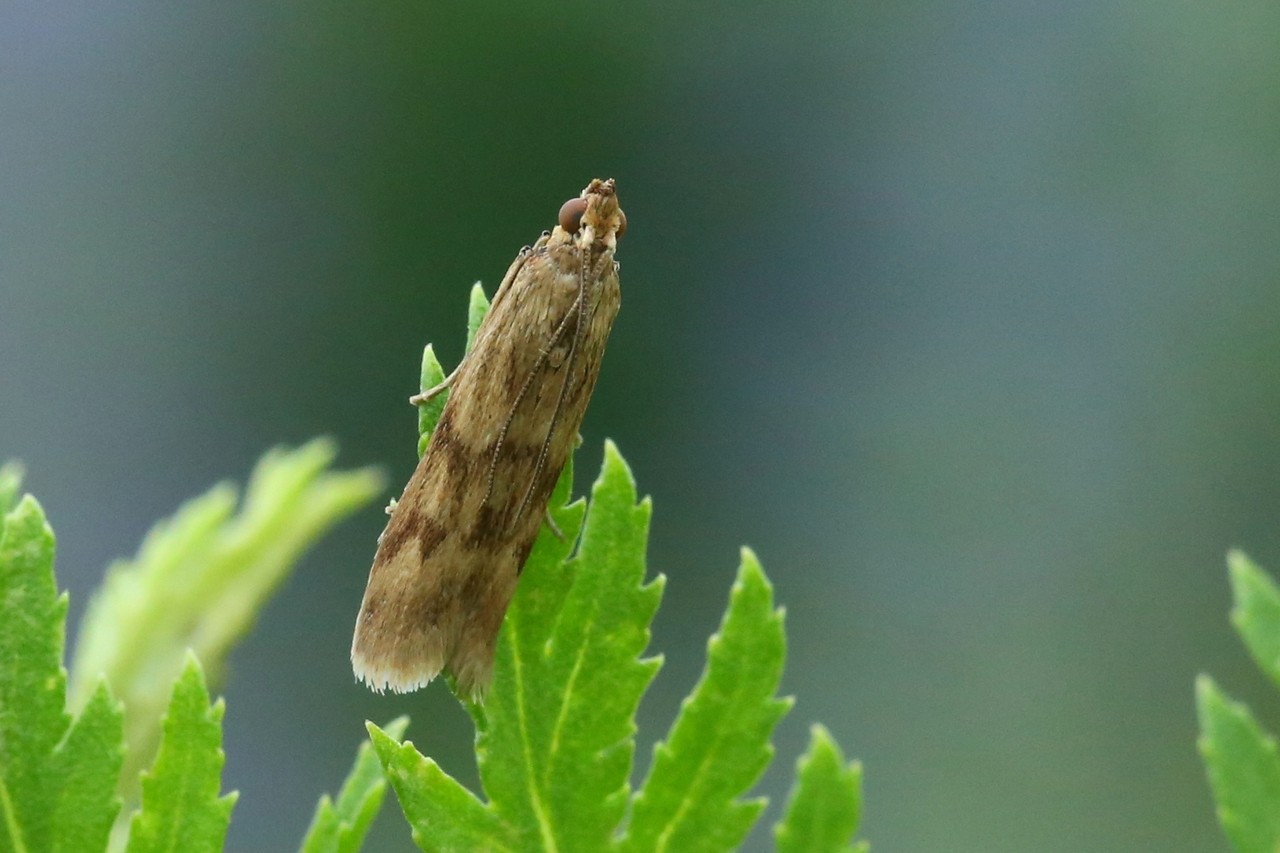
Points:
(323, 449)
(11, 474)
(387, 741)
(1239, 570)
(191, 664)
(477, 308)
(750, 572)
(613, 461)
(753, 584)
(28, 510)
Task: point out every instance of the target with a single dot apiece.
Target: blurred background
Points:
(962, 315)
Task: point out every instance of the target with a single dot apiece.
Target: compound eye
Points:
(571, 211)
(622, 223)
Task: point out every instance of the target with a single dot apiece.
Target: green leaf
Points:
(1244, 770)
(32, 684)
(1256, 614)
(557, 737)
(340, 827)
(443, 815)
(181, 810)
(720, 742)
(88, 762)
(57, 777)
(823, 809)
(200, 578)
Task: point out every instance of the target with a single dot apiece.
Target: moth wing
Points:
(447, 563)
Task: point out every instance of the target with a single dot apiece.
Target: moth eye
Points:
(622, 223)
(571, 214)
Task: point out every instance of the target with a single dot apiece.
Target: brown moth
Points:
(448, 561)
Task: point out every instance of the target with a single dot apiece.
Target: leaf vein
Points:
(535, 793)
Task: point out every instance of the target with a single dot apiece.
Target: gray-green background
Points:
(963, 315)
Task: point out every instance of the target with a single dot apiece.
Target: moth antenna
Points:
(580, 306)
(524, 389)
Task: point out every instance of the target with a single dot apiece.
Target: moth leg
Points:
(551, 522)
(427, 395)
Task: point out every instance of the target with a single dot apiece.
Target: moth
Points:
(448, 561)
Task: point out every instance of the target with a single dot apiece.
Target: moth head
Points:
(594, 220)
